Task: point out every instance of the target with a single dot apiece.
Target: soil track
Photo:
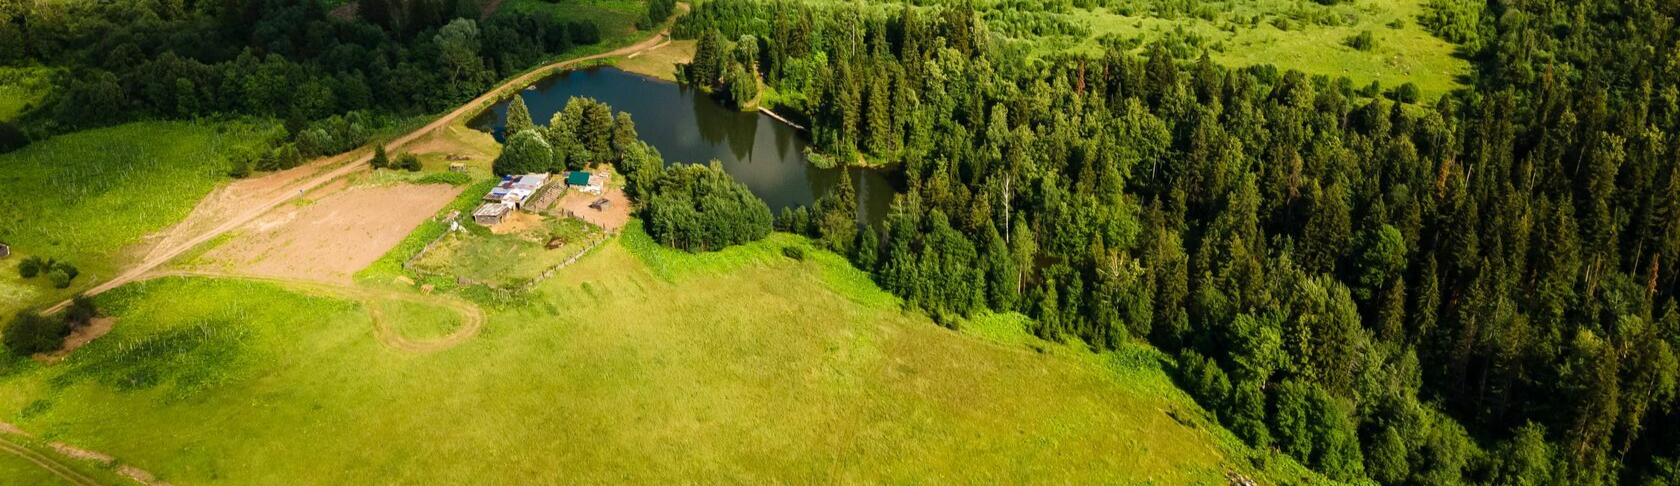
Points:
(350, 162)
(472, 317)
(47, 463)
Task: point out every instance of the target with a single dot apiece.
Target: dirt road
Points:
(354, 161)
(47, 463)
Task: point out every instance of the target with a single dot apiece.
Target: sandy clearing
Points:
(576, 204)
(233, 198)
(332, 238)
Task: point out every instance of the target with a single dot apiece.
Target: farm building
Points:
(490, 214)
(5, 251)
(514, 190)
(587, 182)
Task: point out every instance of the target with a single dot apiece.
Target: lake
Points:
(688, 126)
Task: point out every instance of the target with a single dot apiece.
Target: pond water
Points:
(690, 127)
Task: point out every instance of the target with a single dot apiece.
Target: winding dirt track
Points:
(472, 317)
(49, 464)
(356, 160)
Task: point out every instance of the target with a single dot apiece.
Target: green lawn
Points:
(87, 197)
(637, 365)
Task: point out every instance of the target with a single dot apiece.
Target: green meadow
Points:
(88, 196)
(639, 364)
(1291, 34)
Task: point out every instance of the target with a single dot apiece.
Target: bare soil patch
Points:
(576, 204)
(78, 453)
(335, 236)
(232, 199)
(9, 429)
(517, 222)
(83, 335)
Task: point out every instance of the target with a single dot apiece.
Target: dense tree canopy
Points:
(1356, 278)
(288, 59)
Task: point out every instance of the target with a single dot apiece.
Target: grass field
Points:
(660, 63)
(616, 18)
(506, 261)
(86, 197)
(1291, 34)
(22, 89)
(639, 364)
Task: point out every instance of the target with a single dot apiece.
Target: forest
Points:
(1475, 288)
(335, 79)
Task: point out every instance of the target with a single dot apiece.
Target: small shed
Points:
(601, 204)
(577, 178)
(5, 251)
(490, 214)
(458, 167)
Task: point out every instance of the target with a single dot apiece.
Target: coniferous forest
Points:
(1475, 288)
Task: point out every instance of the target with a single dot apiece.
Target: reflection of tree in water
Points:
(721, 126)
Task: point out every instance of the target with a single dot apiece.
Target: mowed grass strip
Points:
(739, 366)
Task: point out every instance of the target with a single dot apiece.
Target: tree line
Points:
(294, 60)
(1472, 289)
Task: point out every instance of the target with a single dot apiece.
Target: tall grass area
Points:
(636, 365)
(22, 89)
(616, 18)
(88, 196)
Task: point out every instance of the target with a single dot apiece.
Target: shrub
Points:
(1363, 41)
(409, 162)
(1406, 93)
(29, 332)
(30, 267)
(380, 160)
(59, 278)
(794, 252)
(67, 268)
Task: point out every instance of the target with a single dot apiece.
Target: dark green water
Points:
(689, 127)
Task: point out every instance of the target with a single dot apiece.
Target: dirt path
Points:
(351, 162)
(47, 463)
(472, 317)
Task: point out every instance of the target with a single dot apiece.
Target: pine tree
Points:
(518, 117)
(380, 159)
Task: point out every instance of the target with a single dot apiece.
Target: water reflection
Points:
(764, 154)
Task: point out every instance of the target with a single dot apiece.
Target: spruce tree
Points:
(518, 117)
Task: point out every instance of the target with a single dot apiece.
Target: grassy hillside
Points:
(1291, 34)
(638, 364)
(86, 196)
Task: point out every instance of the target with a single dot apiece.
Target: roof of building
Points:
(490, 209)
(578, 178)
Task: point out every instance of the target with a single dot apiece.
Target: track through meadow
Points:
(352, 162)
(472, 316)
